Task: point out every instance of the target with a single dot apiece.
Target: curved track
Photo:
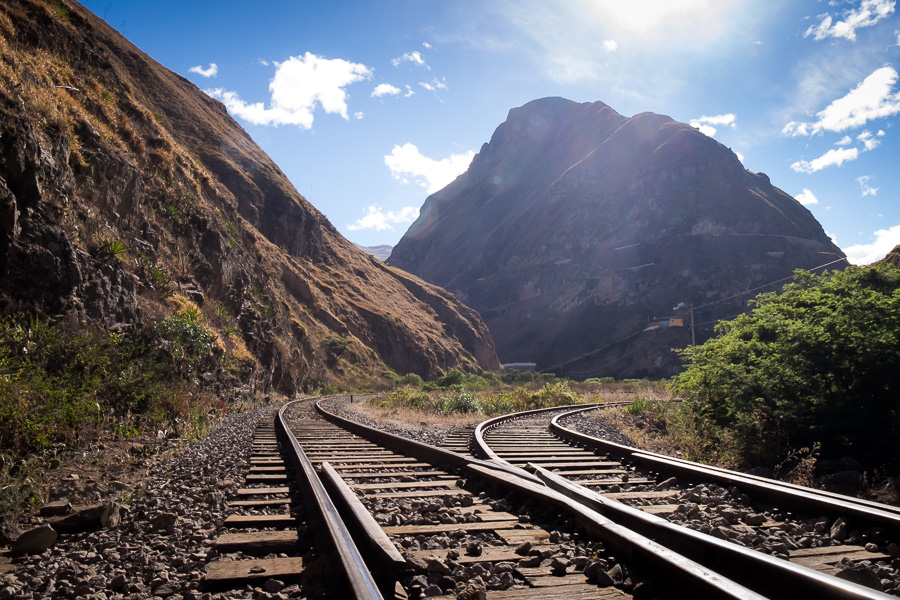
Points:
(641, 490)
(392, 517)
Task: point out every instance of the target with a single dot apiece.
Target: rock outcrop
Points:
(126, 194)
(575, 229)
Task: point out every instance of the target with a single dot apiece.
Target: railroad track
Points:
(395, 518)
(648, 492)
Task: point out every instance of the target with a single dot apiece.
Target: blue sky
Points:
(369, 106)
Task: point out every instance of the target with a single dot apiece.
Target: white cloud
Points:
(740, 156)
(868, 14)
(208, 72)
(864, 186)
(872, 99)
(869, 140)
(379, 220)
(705, 124)
(359, 115)
(406, 162)
(426, 45)
(610, 45)
(885, 241)
(806, 198)
(829, 159)
(409, 92)
(385, 89)
(844, 141)
(435, 84)
(412, 57)
(300, 85)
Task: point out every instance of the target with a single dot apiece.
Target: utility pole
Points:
(693, 338)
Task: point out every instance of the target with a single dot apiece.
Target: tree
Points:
(819, 362)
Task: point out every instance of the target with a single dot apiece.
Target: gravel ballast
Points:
(163, 539)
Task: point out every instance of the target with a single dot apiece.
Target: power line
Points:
(766, 285)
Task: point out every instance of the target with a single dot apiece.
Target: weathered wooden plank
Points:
(387, 460)
(514, 537)
(251, 503)
(551, 581)
(387, 474)
(267, 468)
(236, 572)
(265, 477)
(822, 560)
(260, 521)
(355, 465)
(263, 491)
(419, 494)
(439, 528)
(563, 592)
(404, 485)
(659, 509)
(261, 542)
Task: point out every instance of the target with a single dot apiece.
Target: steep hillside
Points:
(127, 194)
(575, 228)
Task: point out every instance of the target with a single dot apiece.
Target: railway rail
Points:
(648, 492)
(391, 517)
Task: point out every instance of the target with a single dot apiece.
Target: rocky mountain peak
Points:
(575, 227)
(127, 194)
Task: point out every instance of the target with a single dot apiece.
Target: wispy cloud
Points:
(379, 220)
(705, 124)
(869, 13)
(435, 84)
(834, 157)
(300, 85)
(208, 72)
(873, 98)
(410, 57)
(610, 45)
(870, 140)
(806, 197)
(407, 164)
(864, 188)
(844, 141)
(885, 241)
(385, 89)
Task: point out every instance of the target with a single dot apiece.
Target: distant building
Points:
(669, 322)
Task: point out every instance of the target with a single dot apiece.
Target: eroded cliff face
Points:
(576, 227)
(127, 194)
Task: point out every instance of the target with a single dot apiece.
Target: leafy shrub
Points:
(815, 364)
(335, 344)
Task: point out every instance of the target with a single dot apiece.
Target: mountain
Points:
(893, 257)
(380, 252)
(575, 229)
(127, 195)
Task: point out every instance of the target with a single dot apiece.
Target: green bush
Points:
(817, 363)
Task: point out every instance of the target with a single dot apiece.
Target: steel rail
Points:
(628, 450)
(776, 493)
(700, 581)
(484, 426)
(783, 579)
(357, 574)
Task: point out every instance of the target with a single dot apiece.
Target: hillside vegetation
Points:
(814, 365)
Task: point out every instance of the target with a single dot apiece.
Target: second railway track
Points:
(396, 518)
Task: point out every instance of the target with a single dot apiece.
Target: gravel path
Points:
(161, 545)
